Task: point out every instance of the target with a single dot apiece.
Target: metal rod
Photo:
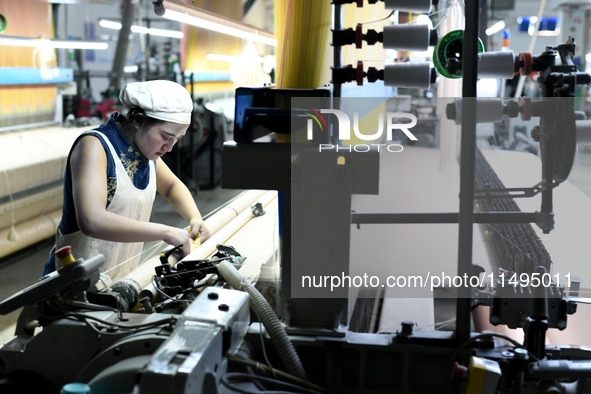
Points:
(467, 164)
(336, 48)
(192, 175)
(451, 217)
(122, 45)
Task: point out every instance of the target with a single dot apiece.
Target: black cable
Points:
(263, 347)
(83, 317)
(213, 261)
(486, 336)
(230, 379)
(282, 374)
(179, 300)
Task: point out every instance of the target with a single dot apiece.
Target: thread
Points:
(12, 234)
(129, 290)
(305, 37)
(408, 75)
(406, 37)
(499, 64)
(583, 132)
(488, 110)
(246, 69)
(420, 6)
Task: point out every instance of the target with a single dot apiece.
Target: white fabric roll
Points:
(406, 37)
(499, 64)
(422, 6)
(408, 75)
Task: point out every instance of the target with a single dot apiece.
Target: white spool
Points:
(499, 64)
(488, 110)
(583, 132)
(420, 6)
(406, 37)
(408, 75)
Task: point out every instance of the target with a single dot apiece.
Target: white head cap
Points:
(164, 100)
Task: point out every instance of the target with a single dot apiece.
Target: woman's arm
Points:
(179, 196)
(88, 164)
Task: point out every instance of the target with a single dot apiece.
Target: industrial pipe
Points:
(279, 337)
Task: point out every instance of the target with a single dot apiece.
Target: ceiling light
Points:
(107, 24)
(165, 33)
(130, 69)
(139, 29)
(227, 58)
(37, 42)
(497, 27)
(180, 12)
(221, 58)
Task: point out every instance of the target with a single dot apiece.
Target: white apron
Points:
(129, 201)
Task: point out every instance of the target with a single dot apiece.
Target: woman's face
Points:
(159, 139)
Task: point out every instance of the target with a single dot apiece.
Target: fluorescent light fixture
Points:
(130, 69)
(139, 29)
(165, 33)
(184, 13)
(38, 42)
(497, 27)
(549, 33)
(221, 58)
(110, 24)
(226, 58)
(107, 24)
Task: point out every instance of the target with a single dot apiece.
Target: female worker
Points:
(113, 173)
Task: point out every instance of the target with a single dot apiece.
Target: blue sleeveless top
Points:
(134, 162)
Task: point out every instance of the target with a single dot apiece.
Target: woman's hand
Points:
(177, 236)
(199, 229)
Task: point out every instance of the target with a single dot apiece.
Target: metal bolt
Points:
(213, 296)
(535, 133)
(407, 327)
(520, 353)
(561, 324)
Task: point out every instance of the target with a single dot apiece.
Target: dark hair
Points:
(137, 114)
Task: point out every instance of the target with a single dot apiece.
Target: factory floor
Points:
(23, 269)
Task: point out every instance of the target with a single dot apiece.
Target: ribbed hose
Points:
(279, 337)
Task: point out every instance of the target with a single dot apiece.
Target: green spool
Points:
(2, 23)
(450, 46)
